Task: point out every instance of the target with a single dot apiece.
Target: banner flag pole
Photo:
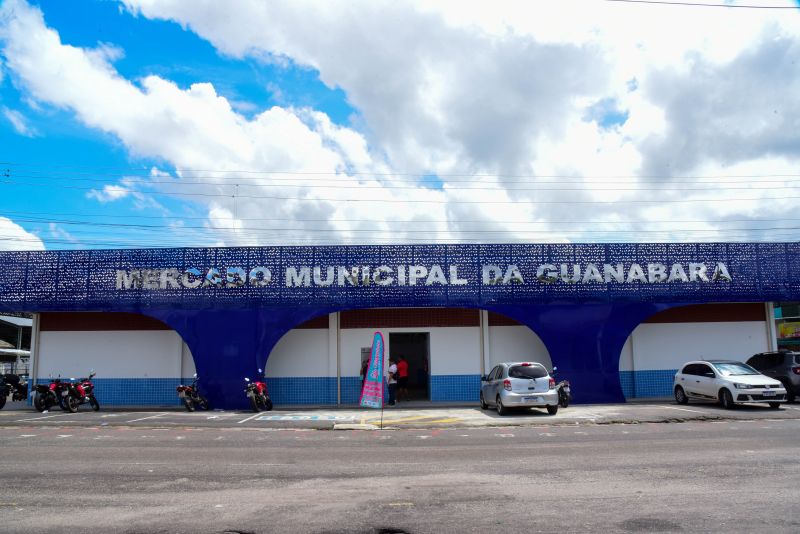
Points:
(372, 391)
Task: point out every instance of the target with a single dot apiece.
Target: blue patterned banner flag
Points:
(372, 391)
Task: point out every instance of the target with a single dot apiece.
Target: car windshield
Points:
(527, 371)
(735, 369)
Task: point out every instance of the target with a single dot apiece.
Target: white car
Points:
(727, 381)
(519, 385)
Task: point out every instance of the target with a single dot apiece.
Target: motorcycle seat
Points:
(11, 379)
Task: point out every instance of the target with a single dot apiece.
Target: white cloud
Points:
(109, 193)
(19, 122)
(59, 234)
(498, 90)
(15, 237)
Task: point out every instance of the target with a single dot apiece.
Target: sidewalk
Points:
(403, 416)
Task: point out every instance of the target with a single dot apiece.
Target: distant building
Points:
(15, 344)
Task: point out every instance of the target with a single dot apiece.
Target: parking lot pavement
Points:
(418, 416)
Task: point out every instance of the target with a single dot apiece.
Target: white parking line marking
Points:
(65, 435)
(45, 417)
(251, 417)
(682, 409)
(143, 418)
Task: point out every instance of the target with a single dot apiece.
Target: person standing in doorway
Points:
(402, 379)
(363, 372)
(391, 379)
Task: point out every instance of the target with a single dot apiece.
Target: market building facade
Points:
(616, 319)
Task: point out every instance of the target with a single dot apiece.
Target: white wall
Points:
(112, 354)
(515, 344)
(302, 352)
(669, 345)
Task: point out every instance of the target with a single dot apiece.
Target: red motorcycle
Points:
(80, 392)
(191, 396)
(258, 395)
(47, 396)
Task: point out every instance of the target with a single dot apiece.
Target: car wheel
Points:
(501, 410)
(775, 405)
(680, 396)
(552, 409)
(790, 396)
(484, 406)
(726, 399)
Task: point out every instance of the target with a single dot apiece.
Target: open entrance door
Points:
(415, 348)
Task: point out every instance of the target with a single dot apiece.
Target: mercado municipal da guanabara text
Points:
(233, 276)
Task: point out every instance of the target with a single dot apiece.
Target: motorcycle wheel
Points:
(2, 401)
(268, 404)
(94, 404)
(189, 405)
(71, 404)
(563, 400)
(203, 403)
(38, 403)
(254, 404)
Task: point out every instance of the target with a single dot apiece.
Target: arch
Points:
(664, 341)
(138, 360)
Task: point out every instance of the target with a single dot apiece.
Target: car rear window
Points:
(527, 371)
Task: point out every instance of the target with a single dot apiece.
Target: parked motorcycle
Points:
(564, 391)
(80, 392)
(48, 395)
(258, 394)
(12, 385)
(190, 395)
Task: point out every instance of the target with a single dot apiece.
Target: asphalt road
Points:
(702, 476)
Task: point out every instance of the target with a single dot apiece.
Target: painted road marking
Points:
(45, 417)
(305, 418)
(248, 418)
(683, 409)
(149, 417)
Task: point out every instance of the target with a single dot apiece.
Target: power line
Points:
(25, 215)
(126, 185)
(418, 201)
(162, 227)
(146, 173)
(703, 4)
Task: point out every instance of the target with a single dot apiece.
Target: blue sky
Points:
(62, 146)
(150, 123)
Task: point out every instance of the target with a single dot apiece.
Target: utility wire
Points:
(704, 4)
(416, 201)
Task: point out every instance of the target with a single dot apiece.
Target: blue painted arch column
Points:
(585, 341)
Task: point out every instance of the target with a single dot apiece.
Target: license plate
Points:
(536, 399)
(768, 393)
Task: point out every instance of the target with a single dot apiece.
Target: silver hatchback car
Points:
(519, 385)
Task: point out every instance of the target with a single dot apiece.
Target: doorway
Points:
(415, 347)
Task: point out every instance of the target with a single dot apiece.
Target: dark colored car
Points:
(783, 366)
